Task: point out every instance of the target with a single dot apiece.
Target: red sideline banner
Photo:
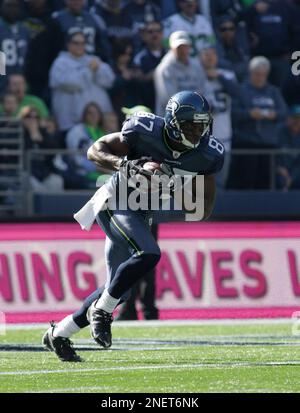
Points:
(207, 270)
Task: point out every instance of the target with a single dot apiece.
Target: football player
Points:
(181, 140)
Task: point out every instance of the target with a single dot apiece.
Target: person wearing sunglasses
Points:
(148, 59)
(231, 55)
(44, 176)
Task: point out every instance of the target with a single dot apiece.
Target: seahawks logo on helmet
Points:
(173, 106)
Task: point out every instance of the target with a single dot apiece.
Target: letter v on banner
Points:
(2, 64)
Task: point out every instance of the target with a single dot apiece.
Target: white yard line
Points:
(73, 389)
(169, 323)
(154, 367)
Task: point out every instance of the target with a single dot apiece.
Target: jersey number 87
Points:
(150, 123)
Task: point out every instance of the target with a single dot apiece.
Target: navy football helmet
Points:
(188, 118)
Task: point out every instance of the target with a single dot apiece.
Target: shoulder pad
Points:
(142, 122)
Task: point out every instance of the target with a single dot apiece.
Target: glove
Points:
(135, 166)
(174, 182)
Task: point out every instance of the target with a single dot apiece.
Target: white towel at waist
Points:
(87, 214)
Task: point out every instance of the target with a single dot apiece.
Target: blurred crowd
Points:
(75, 69)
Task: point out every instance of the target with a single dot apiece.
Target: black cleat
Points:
(62, 346)
(100, 322)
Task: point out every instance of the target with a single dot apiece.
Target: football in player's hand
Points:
(151, 166)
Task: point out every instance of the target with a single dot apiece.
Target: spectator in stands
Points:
(14, 37)
(37, 16)
(295, 12)
(57, 4)
(170, 7)
(219, 86)
(231, 55)
(17, 86)
(44, 177)
(76, 79)
(148, 59)
(9, 105)
(196, 25)
(288, 164)
(82, 173)
(270, 25)
(291, 89)
(117, 26)
(70, 20)
(38, 57)
(125, 91)
(177, 71)
(111, 123)
(236, 10)
(257, 113)
(141, 12)
(233, 8)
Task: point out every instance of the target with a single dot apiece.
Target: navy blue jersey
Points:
(13, 42)
(147, 61)
(146, 136)
(87, 23)
(141, 14)
(117, 25)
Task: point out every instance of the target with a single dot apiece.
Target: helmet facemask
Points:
(192, 131)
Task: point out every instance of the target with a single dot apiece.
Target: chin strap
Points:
(186, 142)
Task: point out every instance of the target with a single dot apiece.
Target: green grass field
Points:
(168, 358)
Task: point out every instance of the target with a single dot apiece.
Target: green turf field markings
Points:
(205, 342)
(155, 367)
(128, 343)
(73, 389)
(171, 323)
(38, 349)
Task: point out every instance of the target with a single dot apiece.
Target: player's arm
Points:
(108, 151)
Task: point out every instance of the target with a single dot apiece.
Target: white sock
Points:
(66, 327)
(106, 302)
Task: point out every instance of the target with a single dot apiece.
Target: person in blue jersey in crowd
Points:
(14, 38)
(72, 18)
(258, 112)
(116, 24)
(182, 144)
(142, 12)
(37, 16)
(270, 25)
(148, 59)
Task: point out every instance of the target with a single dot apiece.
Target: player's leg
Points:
(131, 230)
(57, 336)
(147, 296)
(128, 310)
(115, 254)
(147, 289)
